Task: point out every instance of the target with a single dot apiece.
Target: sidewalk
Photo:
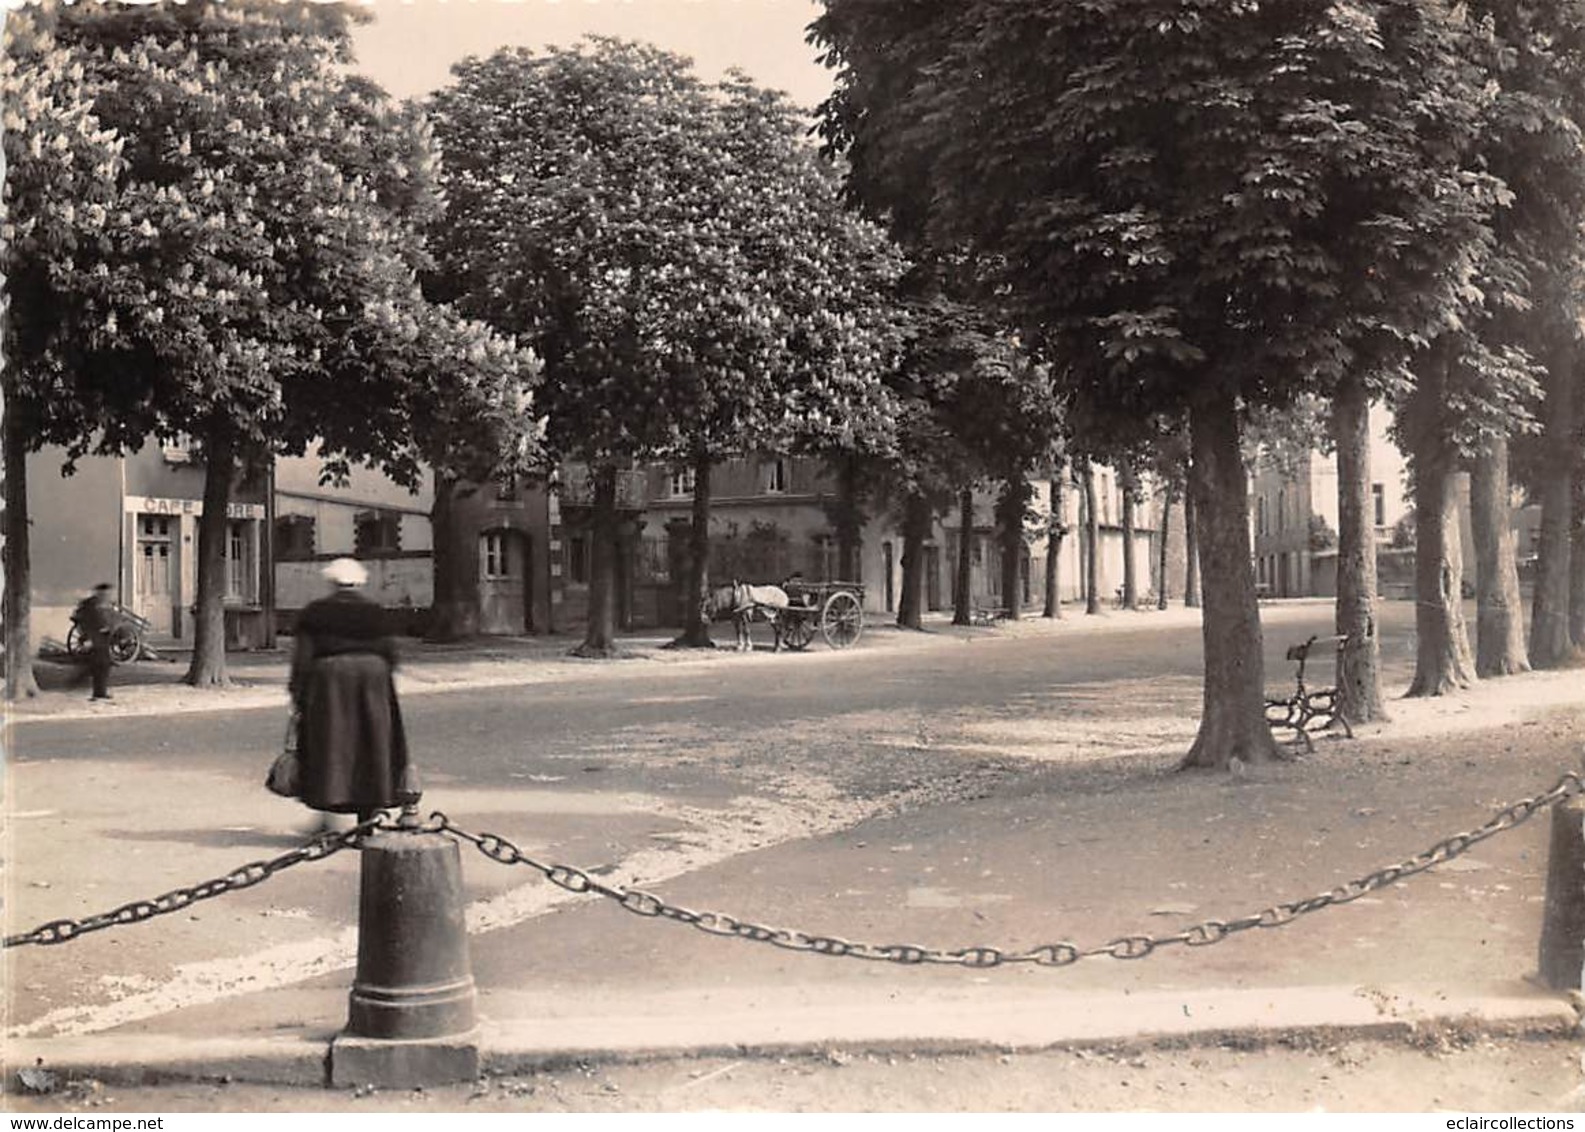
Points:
(1055, 852)
(259, 678)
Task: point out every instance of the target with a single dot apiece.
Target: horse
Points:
(742, 603)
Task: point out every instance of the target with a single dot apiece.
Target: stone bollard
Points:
(1562, 959)
(411, 1017)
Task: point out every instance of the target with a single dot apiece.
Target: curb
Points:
(1249, 1018)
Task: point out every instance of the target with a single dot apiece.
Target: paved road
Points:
(481, 734)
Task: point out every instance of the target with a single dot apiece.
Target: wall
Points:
(526, 510)
(299, 475)
(76, 537)
(400, 580)
(739, 501)
(395, 582)
(1280, 509)
(87, 528)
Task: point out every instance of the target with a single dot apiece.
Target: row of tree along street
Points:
(1154, 233)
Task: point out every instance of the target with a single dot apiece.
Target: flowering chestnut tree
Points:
(250, 277)
(675, 254)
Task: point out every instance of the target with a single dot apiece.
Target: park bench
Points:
(1306, 709)
(987, 614)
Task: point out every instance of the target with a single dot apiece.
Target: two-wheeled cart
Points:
(835, 609)
(128, 631)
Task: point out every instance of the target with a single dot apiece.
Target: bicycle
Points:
(1306, 711)
(126, 636)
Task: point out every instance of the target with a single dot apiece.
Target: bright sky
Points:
(411, 44)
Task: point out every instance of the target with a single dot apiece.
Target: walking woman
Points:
(350, 741)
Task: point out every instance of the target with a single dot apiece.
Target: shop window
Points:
(376, 533)
(294, 538)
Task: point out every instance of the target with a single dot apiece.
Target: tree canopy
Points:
(672, 249)
(1181, 196)
(678, 256)
(1194, 208)
(247, 272)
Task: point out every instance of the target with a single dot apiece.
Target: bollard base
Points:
(402, 1064)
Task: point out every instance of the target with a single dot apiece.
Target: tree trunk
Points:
(848, 521)
(208, 667)
(16, 570)
(15, 555)
(963, 582)
(1130, 570)
(1442, 659)
(1191, 552)
(1576, 574)
(454, 612)
(1092, 538)
(1056, 528)
(1359, 667)
(1011, 504)
(1550, 646)
(1499, 619)
(916, 528)
(1443, 662)
(1233, 720)
(599, 639)
(1161, 551)
(623, 560)
(696, 630)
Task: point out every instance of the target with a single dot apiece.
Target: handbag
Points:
(286, 772)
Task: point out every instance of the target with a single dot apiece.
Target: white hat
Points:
(346, 572)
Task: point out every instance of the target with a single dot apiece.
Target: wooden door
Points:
(154, 570)
(503, 582)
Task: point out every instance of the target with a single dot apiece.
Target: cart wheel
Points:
(76, 643)
(842, 620)
(125, 644)
(796, 632)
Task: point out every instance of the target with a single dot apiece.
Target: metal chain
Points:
(1061, 954)
(719, 923)
(244, 876)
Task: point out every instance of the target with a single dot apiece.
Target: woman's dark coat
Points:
(351, 742)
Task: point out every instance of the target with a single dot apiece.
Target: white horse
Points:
(742, 603)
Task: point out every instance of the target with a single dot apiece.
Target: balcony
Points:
(577, 489)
